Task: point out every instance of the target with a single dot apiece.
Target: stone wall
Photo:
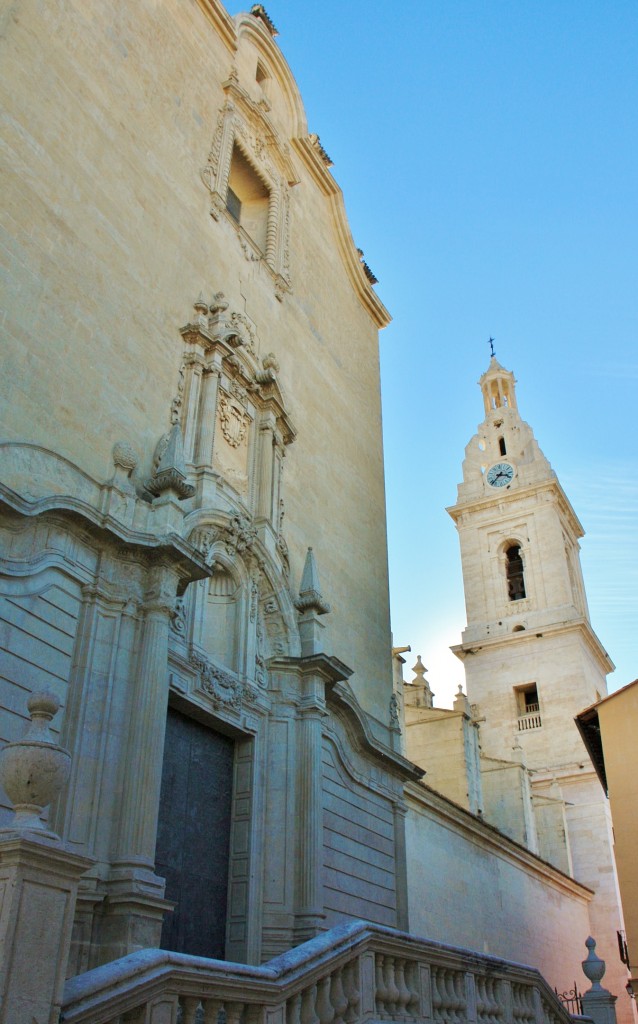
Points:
(471, 886)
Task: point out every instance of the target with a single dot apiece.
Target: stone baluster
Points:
(324, 1007)
(459, 982)
(382, 994)
(39, 875)
(437, 1000)
(466, 988)
(351, 990)
(233, 1012)
(211, 1008)
(189, 1006)
(390, 985)
(309, 1006)
(412, 980)
(506, 1001)
(293, 1009)
(256, 1013)
(338, 996)
(403, 998)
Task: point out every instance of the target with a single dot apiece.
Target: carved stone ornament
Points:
(315, 142)
(244, 328)
(222, 688)
(125, 456)
(177, 617)
(282, 546)
(34, 769)
(169, 468)
(240, 534)
(176, 404)
(593, 967)
(395, 723)
(234, 420)
(203, 539)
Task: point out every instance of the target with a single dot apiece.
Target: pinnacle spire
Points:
(170, 471)
(310, 598)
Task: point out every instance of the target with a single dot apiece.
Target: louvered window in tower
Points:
(515, 574)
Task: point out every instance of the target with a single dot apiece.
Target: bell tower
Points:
(531, 657)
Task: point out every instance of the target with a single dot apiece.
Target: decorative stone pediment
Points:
(231, 408)
(245, 133)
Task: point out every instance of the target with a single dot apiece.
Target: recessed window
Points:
(247, 198)
(530, 699)
(261, 75)
(501, 446)
(514, 573)
(233, 205)
(528, 707)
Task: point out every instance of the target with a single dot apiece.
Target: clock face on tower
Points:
(500, 474)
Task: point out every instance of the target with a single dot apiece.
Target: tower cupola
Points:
(498, 387)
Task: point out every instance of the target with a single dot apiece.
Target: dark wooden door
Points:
(193, 835)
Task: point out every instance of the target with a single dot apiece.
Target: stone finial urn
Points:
(34, 769)
(593, 966)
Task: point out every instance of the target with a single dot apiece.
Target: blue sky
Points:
(488, 154)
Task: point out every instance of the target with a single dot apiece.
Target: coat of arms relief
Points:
(234, 420)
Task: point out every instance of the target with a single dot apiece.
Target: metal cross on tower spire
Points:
(491, 344)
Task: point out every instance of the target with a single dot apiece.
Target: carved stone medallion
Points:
(234, 420)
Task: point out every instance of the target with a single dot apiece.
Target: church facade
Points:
(193, 524)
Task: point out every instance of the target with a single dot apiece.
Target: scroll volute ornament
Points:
(34, 769)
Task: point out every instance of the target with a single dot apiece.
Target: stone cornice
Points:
(486, 835)
(313, 156)
(221, 22)
(343, 701)
(581, 625)
(330, 669)
(255, 29)
(65, 489)
(316, 166)
(254, 113)
(510, 497)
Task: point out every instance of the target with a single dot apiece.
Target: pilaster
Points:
(267, 429)
(134, 906)
(206, 433)
(309, 802)
(194, 376)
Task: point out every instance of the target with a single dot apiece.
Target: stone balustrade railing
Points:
(354, 973)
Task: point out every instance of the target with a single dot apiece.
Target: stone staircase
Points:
(354, 973)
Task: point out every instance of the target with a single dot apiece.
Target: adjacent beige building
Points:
(608, 729)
